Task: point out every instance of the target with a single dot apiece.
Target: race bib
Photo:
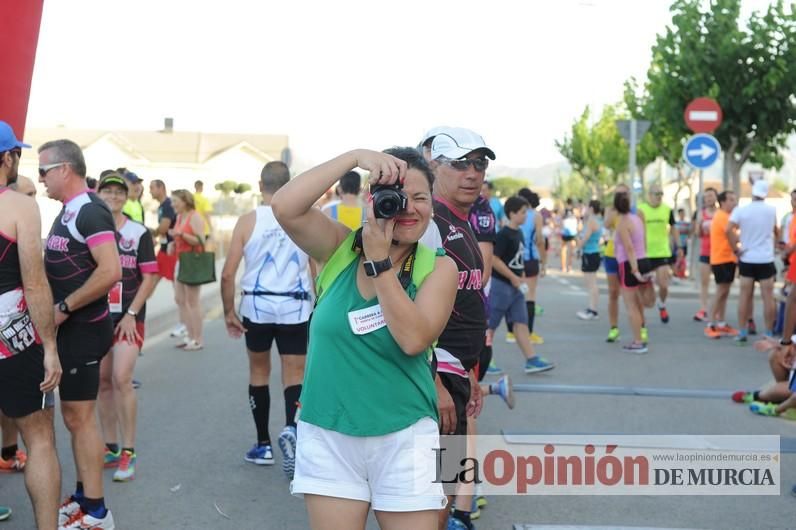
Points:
(115, 298)
(366, 320)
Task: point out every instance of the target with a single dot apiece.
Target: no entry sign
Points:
(703, 115)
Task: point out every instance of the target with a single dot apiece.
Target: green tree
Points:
(572, 185)
(226, 187)
(596, 151)
(507, 186)
(750, 71)
(242, 188)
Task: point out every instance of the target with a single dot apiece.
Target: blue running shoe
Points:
(287, 443)
(742, 338)
(493, 369)
(5, 513)
(455, 524)
(260, 455)
(502, 387)
(537, 364)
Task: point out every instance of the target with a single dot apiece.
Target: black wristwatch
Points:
(64, 308)
(374, 268)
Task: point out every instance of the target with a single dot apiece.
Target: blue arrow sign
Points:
(701, 151)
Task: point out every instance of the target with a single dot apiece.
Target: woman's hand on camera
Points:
(376, 235)
(384, 169)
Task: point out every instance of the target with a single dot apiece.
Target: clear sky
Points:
(343, 74)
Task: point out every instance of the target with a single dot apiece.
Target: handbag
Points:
(197, 268)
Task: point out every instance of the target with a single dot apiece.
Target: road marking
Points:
(624, 391)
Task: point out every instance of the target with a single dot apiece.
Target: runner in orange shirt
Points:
(723, 263)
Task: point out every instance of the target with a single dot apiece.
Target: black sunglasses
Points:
(479, 164)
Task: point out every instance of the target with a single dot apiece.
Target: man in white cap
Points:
(459, 158)
(757, 222)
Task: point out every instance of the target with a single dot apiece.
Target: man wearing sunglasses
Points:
(82, 263)
(661, 237)
(29, 365)
(459, 159)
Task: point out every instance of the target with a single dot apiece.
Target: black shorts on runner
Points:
(531, 268)
(627, 278)
(290, 338)
(483, 360)
(723, 272)
(567, 239)
(590, 262)
(704, 259)
(20, 377)
(81, 347)
(459, 389)
(757, 271)
(655, 263)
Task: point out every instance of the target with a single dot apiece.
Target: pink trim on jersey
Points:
(454, 209)
(451, 369)
(3, 190)
(7, 237)
(99, 238)
(102, 316)
(76, 195)
(150, 267)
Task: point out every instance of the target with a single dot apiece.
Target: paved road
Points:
(195, 426)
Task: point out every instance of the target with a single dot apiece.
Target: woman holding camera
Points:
(368, 390)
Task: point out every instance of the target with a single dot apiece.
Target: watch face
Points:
(370, 268)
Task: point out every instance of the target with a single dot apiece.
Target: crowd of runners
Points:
(406, 284)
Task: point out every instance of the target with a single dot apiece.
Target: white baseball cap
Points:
(760, 189)
(455, 142)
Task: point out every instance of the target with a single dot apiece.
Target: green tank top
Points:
(361, 384)
(656, 221)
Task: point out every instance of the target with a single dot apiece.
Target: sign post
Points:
(632, 131)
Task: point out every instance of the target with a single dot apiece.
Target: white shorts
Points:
(390, 472)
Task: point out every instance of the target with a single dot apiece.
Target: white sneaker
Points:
(179, 331)
(88, 522)
(585, 314)
(67, 510)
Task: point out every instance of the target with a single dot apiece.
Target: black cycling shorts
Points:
(20, 377)
(81, 347)
(291, 339)
(484, 359)
(459, 389)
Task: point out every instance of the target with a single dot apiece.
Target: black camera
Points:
(388, 201)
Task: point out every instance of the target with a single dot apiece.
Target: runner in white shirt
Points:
(757, 222)
(276, 303)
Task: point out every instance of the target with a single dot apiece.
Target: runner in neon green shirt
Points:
(661, 235)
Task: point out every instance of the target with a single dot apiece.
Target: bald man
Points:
(25, 186)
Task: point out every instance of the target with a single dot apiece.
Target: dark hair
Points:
(723, 196)
(489, 185)
(514, 204)
(793, 191)
(350, 183)
(198, 184)
(91, 182)
(159, 184)
(681, 210)
(274, 175)
(68, 152)
(596, 205)
(530, 196)
(622, 202)
(414, 160)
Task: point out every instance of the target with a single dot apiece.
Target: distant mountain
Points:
(539, 177)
